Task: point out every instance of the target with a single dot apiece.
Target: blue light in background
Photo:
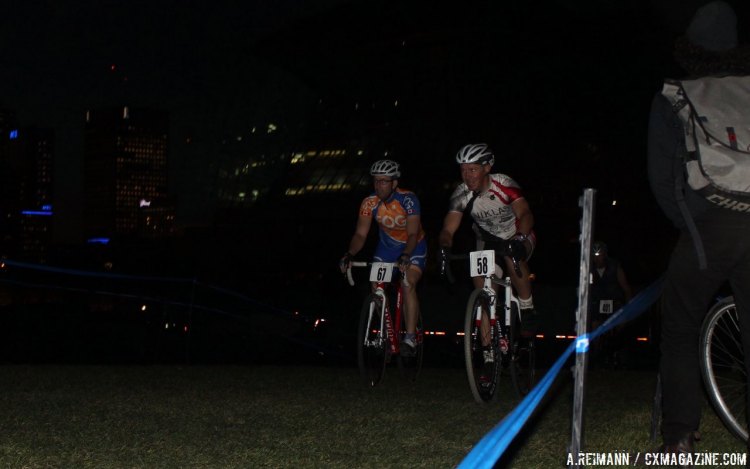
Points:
(42, 213)
(14, 134)
(98, 240)
(47, 207)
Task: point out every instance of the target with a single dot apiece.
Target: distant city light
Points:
(98, 240)
(14, 134)
(46, 207)
(614, 202)
(144, 203)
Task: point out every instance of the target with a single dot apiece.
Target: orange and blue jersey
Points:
(391, 217)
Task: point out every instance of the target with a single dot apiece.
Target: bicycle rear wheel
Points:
(372, 341)
(722, 363)
(483, 377)
(522, 356)
(411, 366)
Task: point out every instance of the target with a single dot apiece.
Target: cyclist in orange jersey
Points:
(402, 239)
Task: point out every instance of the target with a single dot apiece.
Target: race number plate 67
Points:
(482, 263)
(381, 272)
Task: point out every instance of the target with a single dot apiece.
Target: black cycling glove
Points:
(445, 254)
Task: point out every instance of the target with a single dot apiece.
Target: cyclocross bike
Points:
(722, 363)
(378, 340)
(492, 341)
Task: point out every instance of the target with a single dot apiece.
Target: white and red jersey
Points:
(491, 210)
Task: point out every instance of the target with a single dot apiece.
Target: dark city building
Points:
(125, 174)
(31, 153)
(8, 196)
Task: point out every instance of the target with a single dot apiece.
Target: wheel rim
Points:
(372, 349)
(482, 381)
(723, 367)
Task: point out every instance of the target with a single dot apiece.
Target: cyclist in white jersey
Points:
(502, 218)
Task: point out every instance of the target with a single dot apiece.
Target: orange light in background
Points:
(642, 339)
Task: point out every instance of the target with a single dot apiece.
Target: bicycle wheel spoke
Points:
(411, 366)
(482, 357)
(723, 366)
(372, 344)
(523, 357)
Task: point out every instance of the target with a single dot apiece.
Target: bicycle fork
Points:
(385, 318)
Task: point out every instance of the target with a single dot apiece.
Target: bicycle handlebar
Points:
(350, 279)
(445, 268)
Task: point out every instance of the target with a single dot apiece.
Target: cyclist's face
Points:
(474, 175)
(384, 186)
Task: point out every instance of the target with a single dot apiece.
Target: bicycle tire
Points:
(722, 366)
(410, 367)
(372, 348)
(522, 356)
(482, 381)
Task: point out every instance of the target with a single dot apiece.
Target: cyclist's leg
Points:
(413, 275)
(522, 284)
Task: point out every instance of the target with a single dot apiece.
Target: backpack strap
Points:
(679, 192)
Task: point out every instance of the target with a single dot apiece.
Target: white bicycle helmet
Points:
(385, 168)
(478, 153)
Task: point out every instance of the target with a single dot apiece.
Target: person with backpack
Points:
(697, 143)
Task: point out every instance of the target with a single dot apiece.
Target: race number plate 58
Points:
(482, 263)
(381, 272)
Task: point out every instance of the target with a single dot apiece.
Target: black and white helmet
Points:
(478, 153)
(385, 168)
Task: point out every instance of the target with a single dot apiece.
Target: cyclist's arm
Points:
(413, 222)
(524, 217)
(360, 234)
(451, 223)
(623, 281)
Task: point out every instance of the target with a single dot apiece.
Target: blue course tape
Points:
(492, 446)
(88, 273)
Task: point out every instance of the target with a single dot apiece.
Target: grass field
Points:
(286, 416)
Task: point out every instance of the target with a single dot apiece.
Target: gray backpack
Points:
(715, 112)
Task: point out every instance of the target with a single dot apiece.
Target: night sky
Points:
(562, 84)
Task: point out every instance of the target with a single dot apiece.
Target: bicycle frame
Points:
(385, 312)
(510, 299)
(385, 315)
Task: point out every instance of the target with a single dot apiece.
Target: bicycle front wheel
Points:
(372, 341)
(722, 363)
(411, 366)
(481, 350)
(522, 356)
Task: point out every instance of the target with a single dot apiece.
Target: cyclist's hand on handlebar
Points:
(404, 261)
(345, 263)
(445, 254)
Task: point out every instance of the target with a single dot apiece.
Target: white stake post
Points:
(582, 345)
